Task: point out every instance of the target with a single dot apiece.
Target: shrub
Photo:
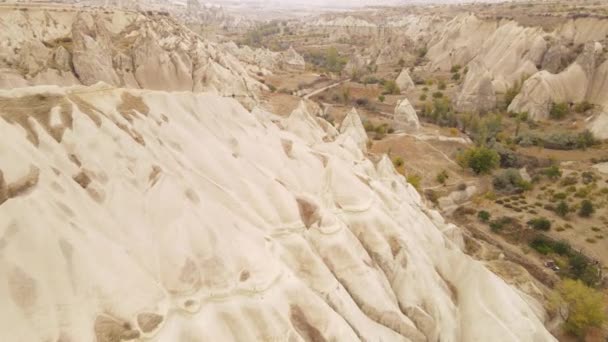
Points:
(510, 181)
(582, 107)
(441, 86)
(398, 162)
(480, 159)
(552, 172)
(391, 88)
(512, 92)
(540, 223)
(456, 76)
(442, 176)
(586, 209)
(585, 139)
(362, 102)
(455, 68)
(381, 98)
(558, 111)
(437, 95)
(272, 88)
(499, 224)
(483, 216)
(580, 306)
(414, 180)
(371, 80)
(562, 209)
(422, 97)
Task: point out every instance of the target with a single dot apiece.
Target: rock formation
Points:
(119, 48)
(171, 216)
(404, 81)
(405, 116)
(477, 93)
(574, 84)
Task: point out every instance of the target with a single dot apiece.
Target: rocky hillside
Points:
(564, 63)
(129, 214)
(126, 49)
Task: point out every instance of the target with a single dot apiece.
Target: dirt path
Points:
(320, 90)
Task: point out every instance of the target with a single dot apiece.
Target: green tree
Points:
(580, 306)
(586, 209)
(480, 159)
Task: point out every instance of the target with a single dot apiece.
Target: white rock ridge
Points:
(182, 216)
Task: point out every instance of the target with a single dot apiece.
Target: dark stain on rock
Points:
(38, 107)
(24, 184)
(108, 329)
(148, 321)
(131, 105)
(244, 275)
(309, 212)
(82, 178)
(306, 330)
(23, 289)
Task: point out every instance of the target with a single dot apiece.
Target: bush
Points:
(483, 216)
(371, 80)
(510, 181)
(381, 98)
(272, 88)
(586, 209)
(441, 86)
(580, 306)
(414, 180)
(562, 209)
(456, 76)
(582, 107)
(499, 224)
(437, 95)
(558, 111)
(422, 97)
(362, 102)
(398, 162)
(455, 68)
(391, 88)
(512, 92)
(442, 177)
(552, 172)
(480, 159)
(540, 224)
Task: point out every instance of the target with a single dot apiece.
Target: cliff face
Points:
(183, 216)
(124, 49)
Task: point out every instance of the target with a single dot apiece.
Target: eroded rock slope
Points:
(139, 214)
